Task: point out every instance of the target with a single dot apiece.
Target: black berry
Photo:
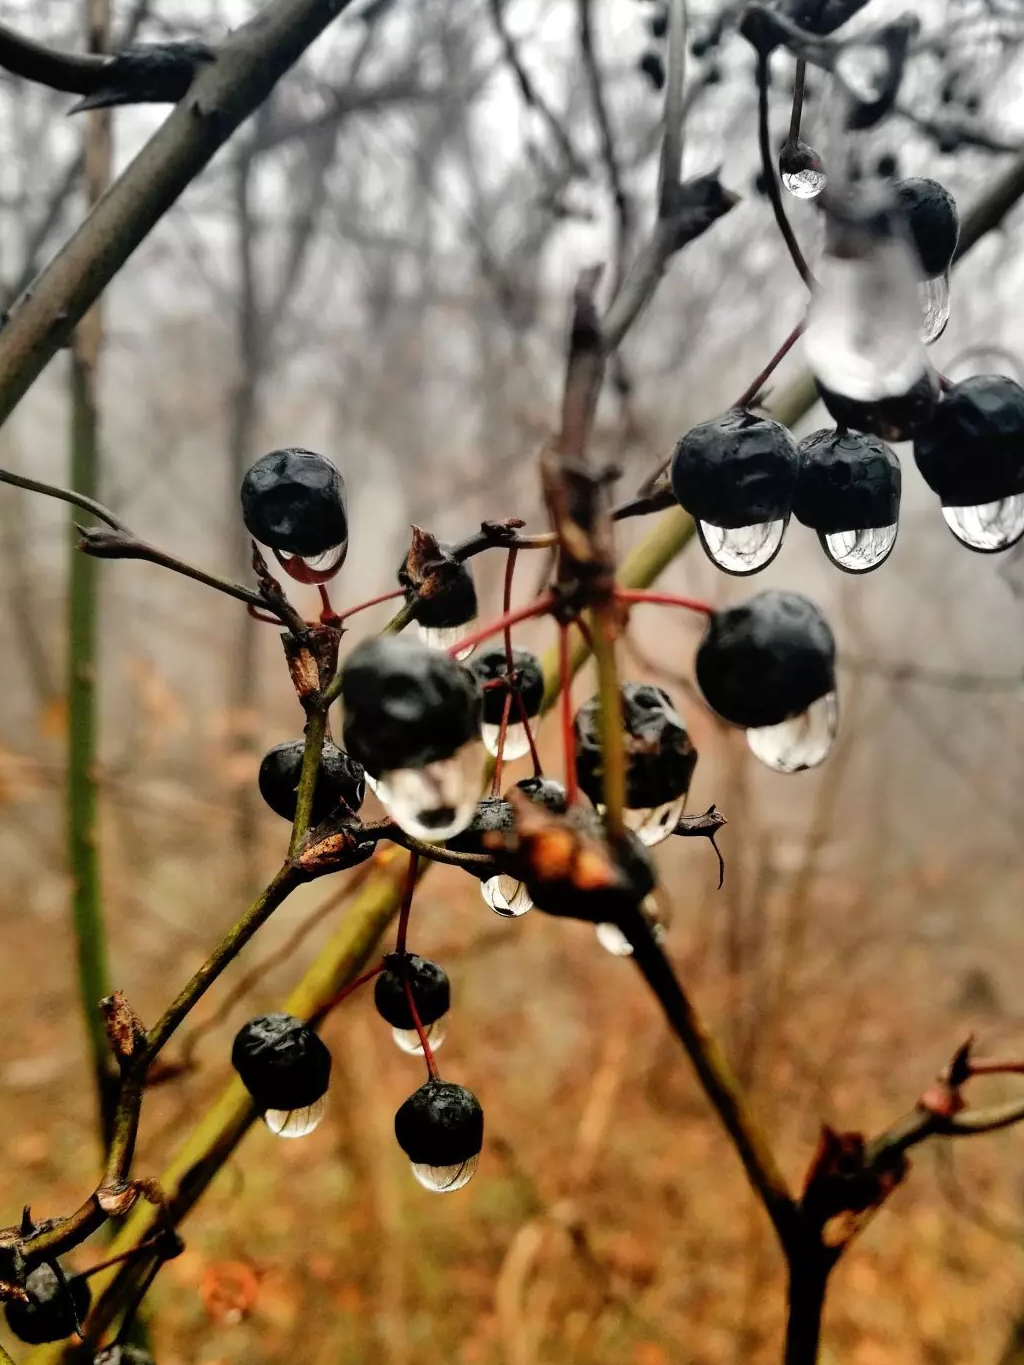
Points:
(736, 470)
(440, 1124)
(973, 451)
(766, 660)
(493, 664)
(406, 705)
(660, 757)
(933, 221)
(893, 419)
(282, 1063)
(849, 481)
(431, 991)
(294, 501)
(339, 779)
(54, 1308)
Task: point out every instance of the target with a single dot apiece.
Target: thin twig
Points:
(770, 174)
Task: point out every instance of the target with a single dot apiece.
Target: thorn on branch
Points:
(152, 73)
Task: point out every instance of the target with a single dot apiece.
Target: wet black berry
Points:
(973, 451)
(430, 990)
(933, 221)
(53, 1311)
(441, 1124)
(492, 664)
(294, 501)
(736, 470)
(282, 1063)
(849, 481)
(339, 779)
(653, 68)
(893, 419)
(766, 660)
(439, 584)
(406, 705)
(660, 757)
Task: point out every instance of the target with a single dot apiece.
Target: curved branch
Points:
(72, 72)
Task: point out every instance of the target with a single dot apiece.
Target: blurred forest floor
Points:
(608, 1221)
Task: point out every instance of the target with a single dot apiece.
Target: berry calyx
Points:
(53, 1310)
(491, 665)
(439, 586)
(340, 779)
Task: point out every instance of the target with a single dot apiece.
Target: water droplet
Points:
(743, 549)
(445, 1179)
(437, 801)
(859, 551)
(863, 337)
(295, 1123)
(935, 307)
(371, 782)
(408, 1040)
(443, 637)
(802, 742)
(506, 896)
(989, 527)
(516, 743)
(655, 824)
(805, 184)
(313, 568)
(613, 940)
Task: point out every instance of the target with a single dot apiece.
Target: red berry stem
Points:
(757, 384)
(372, 602)
(525, 722)
(344, 993)
(402, 950)
(664, 599)
(540, 607)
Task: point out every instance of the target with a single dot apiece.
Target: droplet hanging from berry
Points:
(440, 1128)
(412, 719)
(506, 896)
(660, 759)
(736, 476)
(286, 1068)
(431, 993)
(934, 224)
(491, 666)
(972, 456)
(769, 666)
(294, 501)
(849, 492)
(863, 340)
(441, 591)
(801, 170)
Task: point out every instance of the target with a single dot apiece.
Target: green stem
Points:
(5, 1359)
(613, 755)
(82, 833)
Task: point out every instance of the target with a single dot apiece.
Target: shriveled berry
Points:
(339, 779)
(440, 585)
(53, 1310)
(660, 757)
